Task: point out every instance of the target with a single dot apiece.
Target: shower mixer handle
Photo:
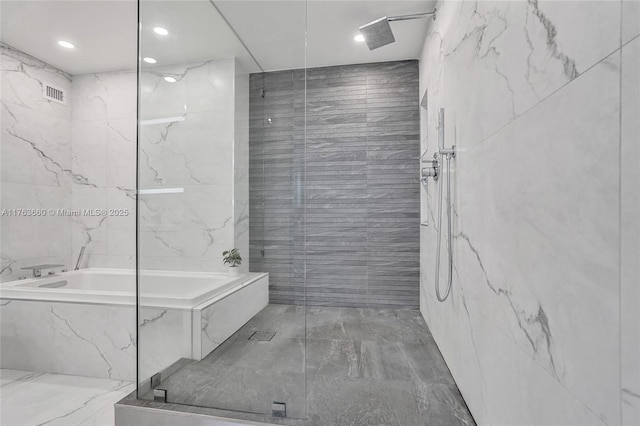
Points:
(432, 170)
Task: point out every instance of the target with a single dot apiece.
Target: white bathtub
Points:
(86, 324)
(118, 287)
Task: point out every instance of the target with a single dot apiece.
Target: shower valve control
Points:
(432, 169)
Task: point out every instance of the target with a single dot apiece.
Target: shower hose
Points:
(437, 280)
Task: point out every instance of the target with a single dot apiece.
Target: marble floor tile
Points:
(314, 354)
(362, 366)
(103, 417)
(341, 358)
(235, 388)
(397, 326)
(231, 351)
(426, 364)
(55, 399)
(191, 380)
(352, 324)
(365, 359)
(9, 376)
(442, 404)
(321, 322)
(384, 360)
(282, 354)
(348, 401)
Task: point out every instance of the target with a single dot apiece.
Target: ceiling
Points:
(104, 32)
(274, 30)
(197, 31)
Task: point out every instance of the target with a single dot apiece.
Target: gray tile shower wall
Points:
(359, 231)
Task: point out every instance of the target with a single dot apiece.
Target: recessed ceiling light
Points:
(150, 60)
(170, 79)
(161, 31)
(359, 38)
(66, 44)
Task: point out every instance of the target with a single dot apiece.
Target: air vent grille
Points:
(54, 94)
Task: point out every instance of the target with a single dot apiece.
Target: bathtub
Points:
(84, 322)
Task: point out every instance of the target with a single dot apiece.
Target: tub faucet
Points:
(37, 269)
(80, 256)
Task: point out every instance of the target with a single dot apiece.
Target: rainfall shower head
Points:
(378, 33)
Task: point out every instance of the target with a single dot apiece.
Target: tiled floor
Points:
(363, 366)
(28, 399)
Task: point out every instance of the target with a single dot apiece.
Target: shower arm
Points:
(412, 16)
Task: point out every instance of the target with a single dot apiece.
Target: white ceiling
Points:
(104, 32)
(274, 31)
(197, 31)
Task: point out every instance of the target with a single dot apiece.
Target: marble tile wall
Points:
(103, 151)
(92, 340)
(335, 193)
(35, 164)
(630, 220)
(187, 143)
(541, 325)
(214, 324)
(80, 155)
(70, 338)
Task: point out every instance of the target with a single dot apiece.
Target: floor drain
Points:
(263, 336)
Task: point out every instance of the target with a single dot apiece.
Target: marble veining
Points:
(53, 399)
(534, 324)
(519, 49)
(193, 136)
(103, 150)
(147, 321)
(36, 163)
(70, 328)
(50, 164)
(82, 343)
(223, 318)
(77, 153)
(529, 89)
(93, 340)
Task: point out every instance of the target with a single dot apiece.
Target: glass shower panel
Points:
(215, 152)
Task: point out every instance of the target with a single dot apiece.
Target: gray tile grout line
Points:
(366, 287)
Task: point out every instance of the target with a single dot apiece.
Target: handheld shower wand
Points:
(80, 256)
(448, 154)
